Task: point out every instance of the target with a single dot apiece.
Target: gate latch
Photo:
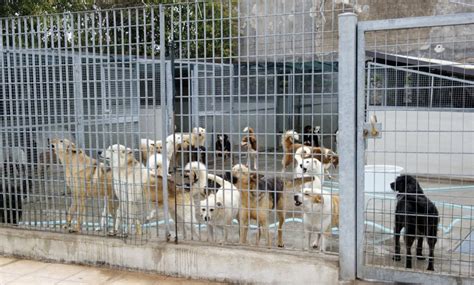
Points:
(372, 129)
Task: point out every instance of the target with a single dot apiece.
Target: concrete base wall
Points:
(184, 260)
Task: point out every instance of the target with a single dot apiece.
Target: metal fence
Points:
(98, 111)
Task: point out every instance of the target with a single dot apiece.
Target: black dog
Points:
(12, 191)
(311, 136)
(223, 146)
(418, 215)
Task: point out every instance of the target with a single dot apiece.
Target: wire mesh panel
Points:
(255, 123)
(418, 209)
(79, 91)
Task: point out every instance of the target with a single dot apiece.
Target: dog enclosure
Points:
(74, 85)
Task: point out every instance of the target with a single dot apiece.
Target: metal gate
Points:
(414, 111)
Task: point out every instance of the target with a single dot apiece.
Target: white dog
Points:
(155, 163)
(321, 213)
(310, 167)
(219, 209)
(198, 137)
(197, 174)
(149, 147)
(128, 176)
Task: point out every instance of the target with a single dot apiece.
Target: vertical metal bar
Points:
(164, 116)
(348, 131)
(360, 144)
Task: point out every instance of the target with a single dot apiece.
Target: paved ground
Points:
(20, 271)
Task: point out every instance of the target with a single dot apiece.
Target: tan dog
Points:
(249, 143)
(136, 186)
(259, 195)
(85, 177)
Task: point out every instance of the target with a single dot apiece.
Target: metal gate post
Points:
(347, 146)
(164, 116)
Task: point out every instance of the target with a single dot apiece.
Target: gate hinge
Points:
(372, 129)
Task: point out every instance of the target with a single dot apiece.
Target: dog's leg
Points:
(82, 211)
(419, 249)
(307, 239)
(409, 240)
(210, 232)
(397, 230)
(324, 238)
(244, 224)
(255, 162)
(431, 243)
(118, 219)
(317, 242)
(263, 229)
(72, 208)
(281, 221)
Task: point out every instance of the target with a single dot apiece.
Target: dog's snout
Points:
(207, 218)
(301, 165)
(99, 153)
(295, 197)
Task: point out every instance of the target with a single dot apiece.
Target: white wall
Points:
(425, 142)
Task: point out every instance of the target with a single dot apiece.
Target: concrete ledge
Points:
(190, 260)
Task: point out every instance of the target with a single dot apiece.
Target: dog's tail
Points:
(249, 130)
(219, 180)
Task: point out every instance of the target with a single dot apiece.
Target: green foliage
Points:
(199, 29)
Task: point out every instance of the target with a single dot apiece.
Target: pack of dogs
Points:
(131, 185)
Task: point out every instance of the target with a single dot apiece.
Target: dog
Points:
(249, 144)
(321, 214)
(326, 156)
(155, 164)
(259, 195)
(310, 167)
(135, 186)
(12, 191)
(311, 136)
(223, 146)
(418, 215)
(85, 177)
(220, 208)
(198, 137)
(148, 148)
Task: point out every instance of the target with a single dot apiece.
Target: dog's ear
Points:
(318, 199)
(72, 148)
(253, 176)
(410, 185)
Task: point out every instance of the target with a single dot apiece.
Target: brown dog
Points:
(85, 177)
(249, 143)
(325, 155)
(259, 195)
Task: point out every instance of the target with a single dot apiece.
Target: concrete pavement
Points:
(22, 271)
